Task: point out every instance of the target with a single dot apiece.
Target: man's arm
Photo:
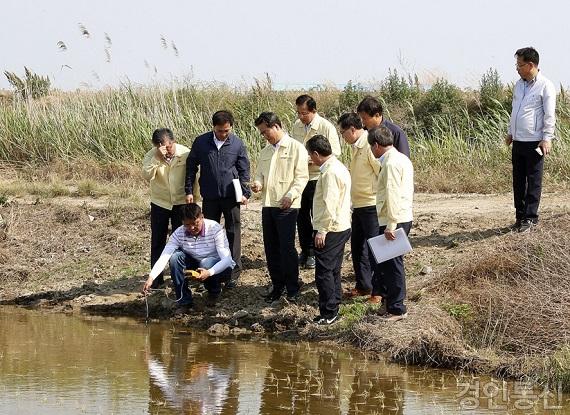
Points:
(300, 175)
(192, 163)
(402, 143)
(549, 121)
(172, 245)
(393, 197)
(243, 169)
(332, 136)
(223, 249)
(151, 163)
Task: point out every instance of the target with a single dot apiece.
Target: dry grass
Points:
(517, 288)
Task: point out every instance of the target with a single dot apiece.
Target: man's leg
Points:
(328, 261)
(364, 227)
(178, 263)
(394, 279)
(159, 232)
(213, 284)
(175, 218)
(519, 179)
(212, 209)
(272, 248)
(534, 169)
(232, 222)
(304, 222)
(287, 262)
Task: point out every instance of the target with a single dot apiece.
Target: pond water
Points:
(64, 364)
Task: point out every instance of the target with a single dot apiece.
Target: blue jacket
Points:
(217, 167)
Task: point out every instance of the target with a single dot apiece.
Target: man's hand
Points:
(204, 274)
(146, 286)
(256, 187)
(390, 235)
(162, 152)
(545, 146)
(285, 203)
(189, 198)
(320, 240)
(508, 139)
(244, 200)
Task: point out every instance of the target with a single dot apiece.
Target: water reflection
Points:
(54, 364)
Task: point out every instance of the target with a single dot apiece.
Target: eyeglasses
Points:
(520, 65)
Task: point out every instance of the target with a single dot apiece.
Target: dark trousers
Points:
(527, 179)
(389, 279)
(214, 209)
(305, 219)
(364, 227)
(279, 243)
(159, 219)
(328, 261)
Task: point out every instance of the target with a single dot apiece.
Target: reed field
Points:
(456, 135)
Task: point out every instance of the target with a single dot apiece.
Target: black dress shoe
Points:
(310, 263)
(230, 284)
(274, 295)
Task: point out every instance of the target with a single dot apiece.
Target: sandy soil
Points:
(90, 255)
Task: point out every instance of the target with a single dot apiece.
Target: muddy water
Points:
(61, 364)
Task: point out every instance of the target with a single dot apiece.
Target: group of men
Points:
(305, 187)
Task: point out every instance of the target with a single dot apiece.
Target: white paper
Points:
(237, 188)
(383, 249)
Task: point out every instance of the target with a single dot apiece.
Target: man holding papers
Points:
(394, 207)
(331, 224)
(222, 159)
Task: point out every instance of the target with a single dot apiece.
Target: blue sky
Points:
(298, 43)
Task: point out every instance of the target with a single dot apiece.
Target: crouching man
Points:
(331, 224)
(199, 244)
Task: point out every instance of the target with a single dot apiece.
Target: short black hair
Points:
(190, 211)
(370, 106)
(528, 54)
(222, 117)
(350, 119)
(320, 144)
(269, 118)
(160, 134)
(380, 135)
(306, 99)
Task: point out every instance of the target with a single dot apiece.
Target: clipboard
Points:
(383, 249)
(237, 188)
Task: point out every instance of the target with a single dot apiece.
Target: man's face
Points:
(271, 134)
(370, 121)
(169, 145)
(304, 114)
(194, 226)
(223, 131)
(524, 69)
(349, 135)
(315, 158)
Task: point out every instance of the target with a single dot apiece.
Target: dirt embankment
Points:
(90, 255)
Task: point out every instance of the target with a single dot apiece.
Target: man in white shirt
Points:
(199, 244)
(531, 130)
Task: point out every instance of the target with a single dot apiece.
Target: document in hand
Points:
(237, 188)
(383, 249)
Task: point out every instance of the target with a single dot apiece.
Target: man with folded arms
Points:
(199, 244)
(281, 177)
(371, 111)
(394, 206)
(364, 169)
(331, 222)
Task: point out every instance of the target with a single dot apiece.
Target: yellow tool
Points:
(191, 273)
